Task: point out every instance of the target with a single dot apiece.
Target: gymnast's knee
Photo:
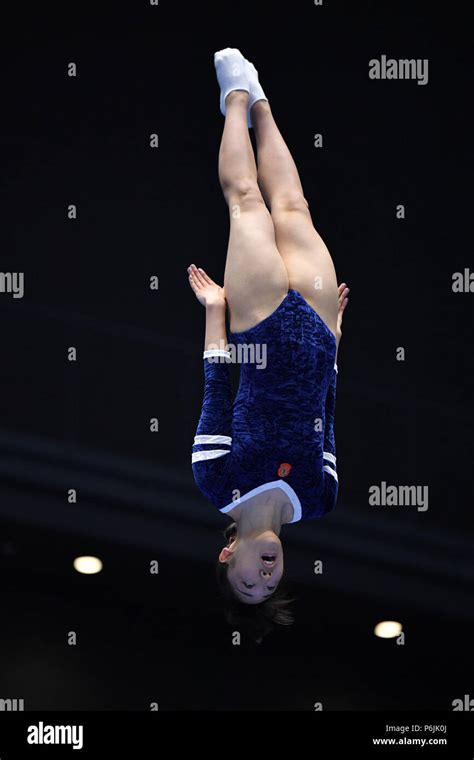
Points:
(288, 202)
(244, 195)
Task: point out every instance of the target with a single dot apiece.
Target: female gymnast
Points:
(268, 457)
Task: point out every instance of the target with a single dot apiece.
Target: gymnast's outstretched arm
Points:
(213, 440)
(329, 464)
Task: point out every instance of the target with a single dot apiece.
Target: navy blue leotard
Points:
(279, 429)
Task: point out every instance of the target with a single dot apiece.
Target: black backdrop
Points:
(84, 140)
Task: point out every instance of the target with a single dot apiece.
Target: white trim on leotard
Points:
(198, 456)
(212, 439)
(330, 457)
(265, 487)
(215, 352)
(332, 472)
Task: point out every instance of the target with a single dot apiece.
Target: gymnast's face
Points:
(255, 566)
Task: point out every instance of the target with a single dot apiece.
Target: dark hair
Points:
(254, 620)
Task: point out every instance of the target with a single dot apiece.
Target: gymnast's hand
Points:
(343, 292)
(207, 292)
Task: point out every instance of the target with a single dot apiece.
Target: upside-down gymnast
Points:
(268, 457)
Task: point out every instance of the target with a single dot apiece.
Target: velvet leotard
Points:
(279, 429)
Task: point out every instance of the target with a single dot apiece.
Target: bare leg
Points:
(307, 260)
(255, 278)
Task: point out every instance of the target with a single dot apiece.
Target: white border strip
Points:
(199, 456)
(213, 439)
(216, 352)
(274, 484)
(330, 457)
(331, 471)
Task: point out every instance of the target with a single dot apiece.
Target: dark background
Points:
(143, 638)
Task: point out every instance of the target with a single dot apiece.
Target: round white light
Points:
(388, 629)
(87, 565)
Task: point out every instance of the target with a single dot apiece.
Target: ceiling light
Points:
(88, 565)
(388, 629)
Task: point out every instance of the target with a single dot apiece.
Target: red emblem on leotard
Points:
(284, 469)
